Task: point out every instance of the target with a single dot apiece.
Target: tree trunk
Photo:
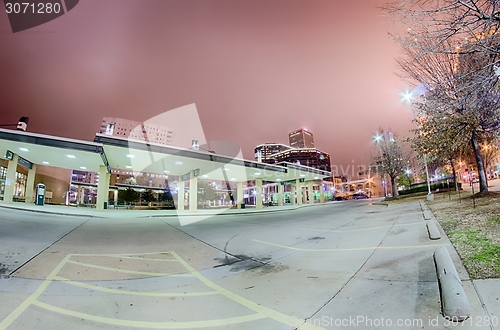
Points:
(483, 185)
(394, 187)
(454, 172)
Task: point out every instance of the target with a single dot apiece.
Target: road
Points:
(345, 265)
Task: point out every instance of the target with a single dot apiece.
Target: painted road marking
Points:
(261, 311)
(149, 324)
(120, 254)
(126, 271)
(134, 293)
(363, 229)
(139, 258)
(25, 304)
(247, 303)
(353, 249)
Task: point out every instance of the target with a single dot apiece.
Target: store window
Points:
(3, 175)
(20, 185)
(20, 182)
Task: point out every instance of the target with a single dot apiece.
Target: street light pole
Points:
(429, 195)
(408, 98)
(384, 181)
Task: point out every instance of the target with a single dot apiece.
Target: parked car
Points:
(340, 198)
(359, 196)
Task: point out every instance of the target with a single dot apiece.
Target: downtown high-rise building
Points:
(134, 130)
(264, 152)
(301, 151)
(310, 157)
(301, 138)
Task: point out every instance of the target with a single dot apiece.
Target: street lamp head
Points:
(406, 96)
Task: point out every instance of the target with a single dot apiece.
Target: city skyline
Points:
(255, 70)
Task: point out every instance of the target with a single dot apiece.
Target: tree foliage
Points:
(148, 196)
(393, 157)
(206, 191)
(129, 195)
(451, 47)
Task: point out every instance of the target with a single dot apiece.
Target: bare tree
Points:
(393, 157)
(438, 22)
(452, 47)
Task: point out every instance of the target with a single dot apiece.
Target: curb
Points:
(50, 212)
(381, 203)
(161, 215)
(425, 210)
(432, 230)
(454, 302)
(222, 213)
(423, 207)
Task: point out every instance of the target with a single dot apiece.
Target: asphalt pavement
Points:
(344, 265)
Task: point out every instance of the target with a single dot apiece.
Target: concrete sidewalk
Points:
(482, 294)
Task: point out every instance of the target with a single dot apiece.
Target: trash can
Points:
(242, 205)
(40, 194)
(105, 205)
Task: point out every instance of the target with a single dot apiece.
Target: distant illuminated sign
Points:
(25, 162)
(187, 176)
(110, 128)
(9, 155)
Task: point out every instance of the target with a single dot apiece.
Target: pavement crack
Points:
(357, 271)
(216, 248)
(487, 314)
(36, 255)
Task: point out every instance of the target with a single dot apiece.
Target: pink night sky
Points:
(256, 70)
